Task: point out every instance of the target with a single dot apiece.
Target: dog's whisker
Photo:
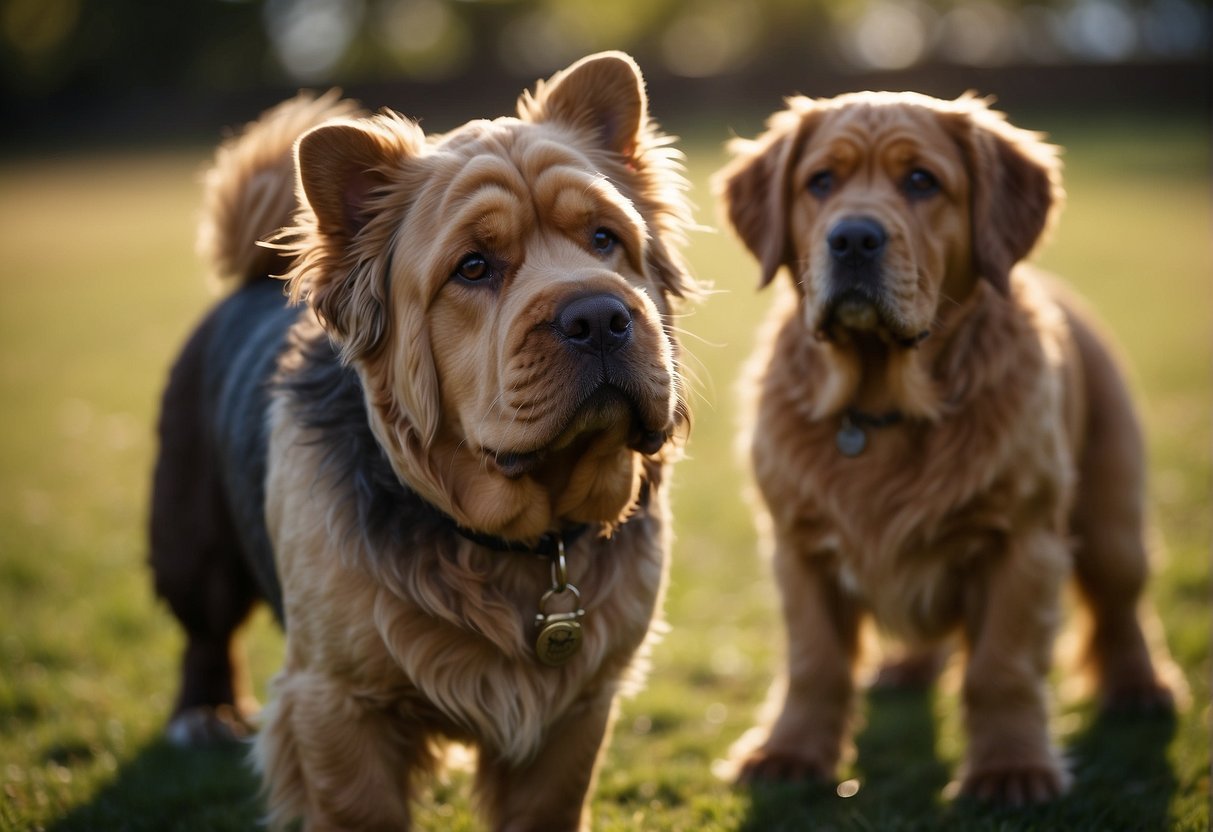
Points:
(689, 383)
(686, 334)
(492, 408)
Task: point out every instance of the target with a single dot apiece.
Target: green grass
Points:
(100, 287)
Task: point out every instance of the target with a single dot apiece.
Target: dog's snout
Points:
(595, 323)
(857, 241)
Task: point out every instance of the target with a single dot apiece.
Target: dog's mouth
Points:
(607, 408)
(857, 310)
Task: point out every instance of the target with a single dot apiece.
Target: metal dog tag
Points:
(559, 632)
(850, 439)
(559, 640)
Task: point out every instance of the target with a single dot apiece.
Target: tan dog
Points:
(940, 435)
(462, 457)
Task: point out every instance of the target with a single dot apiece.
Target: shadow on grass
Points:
(1122, 773)
(168, 788)
(1122, 780)
(899, 775)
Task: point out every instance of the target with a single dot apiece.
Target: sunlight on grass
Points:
(100, 289)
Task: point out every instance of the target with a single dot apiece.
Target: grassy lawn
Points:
(99, 289)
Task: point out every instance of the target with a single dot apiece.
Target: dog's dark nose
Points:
(595, 323)
(857, 241)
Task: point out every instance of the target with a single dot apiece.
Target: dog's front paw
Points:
(767, 766)
(1017, 785)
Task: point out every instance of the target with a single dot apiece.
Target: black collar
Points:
(863, 419)
(548, 545)
(852, 435)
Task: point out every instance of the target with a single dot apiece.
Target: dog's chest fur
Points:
(387, 598)
(905, 521)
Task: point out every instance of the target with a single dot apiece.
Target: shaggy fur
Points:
(480, 361)
(1001, 454)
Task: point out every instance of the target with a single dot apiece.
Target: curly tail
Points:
(249, 191)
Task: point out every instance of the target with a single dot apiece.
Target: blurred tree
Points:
(96, 46)
(71, 50)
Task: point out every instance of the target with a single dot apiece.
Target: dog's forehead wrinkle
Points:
(499, 225)
(547, 182)
(568, 185)
(851, 145)
(474, 173)
(564, 191)
(830, 152)
(543, 152)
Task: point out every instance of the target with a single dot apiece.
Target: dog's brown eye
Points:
(604, 241)
(920, 183)
(472, 268)
(821, 183)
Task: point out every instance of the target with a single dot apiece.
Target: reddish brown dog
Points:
(941, 434)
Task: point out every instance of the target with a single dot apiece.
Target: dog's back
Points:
(210, 552)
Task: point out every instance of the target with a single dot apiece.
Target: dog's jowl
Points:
(941, 436)
(439, 450)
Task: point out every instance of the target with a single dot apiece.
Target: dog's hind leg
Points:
(198, 567)
(1108, 523)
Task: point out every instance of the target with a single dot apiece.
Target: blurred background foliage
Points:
(185, 64)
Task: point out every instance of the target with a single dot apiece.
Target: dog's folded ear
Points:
(340, 164)
(343, 167)
(602, 93)
(755, 186)
(1016, 181)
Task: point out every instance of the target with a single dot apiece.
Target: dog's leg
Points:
(1111, 570)
(807, 738)
(1110, 557)
(198, 567)
(334, 759)
(1011, 616)
(549, 792)
(211, 600)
